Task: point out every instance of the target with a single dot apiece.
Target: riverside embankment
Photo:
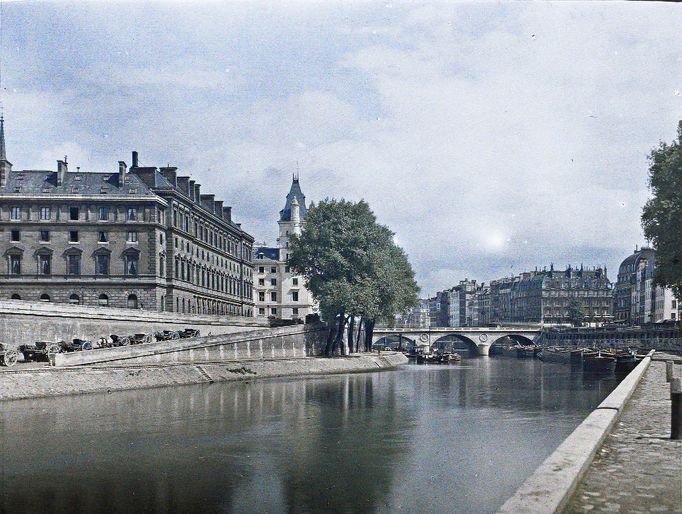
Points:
(620, 458)
(54, 381)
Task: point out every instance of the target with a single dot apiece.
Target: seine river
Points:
(458, 438)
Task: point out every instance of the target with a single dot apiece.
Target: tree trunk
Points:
(330, 341)
(357, 339)
(351, 333)
(369, 332)
(339, 332)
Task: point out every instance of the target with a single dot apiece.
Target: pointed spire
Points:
(3, 154)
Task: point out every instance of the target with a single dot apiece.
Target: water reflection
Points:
(424, 438)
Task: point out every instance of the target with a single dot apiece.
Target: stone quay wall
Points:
(295, 341)
(660, 337)
(53, 381)
(24, 322)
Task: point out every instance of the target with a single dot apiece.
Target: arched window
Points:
(103, 300)
(44, 297)
(15, 296)
(75, 299)
(132, 301)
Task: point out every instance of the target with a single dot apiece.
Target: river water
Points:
(458, 438)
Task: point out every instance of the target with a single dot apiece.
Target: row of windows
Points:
(273, 269)
(273, 296)
(103, 213)
(74, 236)
(207, 234)
(103, 299)
(73, 264)
(273, 311)
(202, 254)
(209, 278)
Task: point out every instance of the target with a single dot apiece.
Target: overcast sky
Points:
(490, 137)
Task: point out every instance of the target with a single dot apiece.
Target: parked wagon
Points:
(39, 351)
(8, 356)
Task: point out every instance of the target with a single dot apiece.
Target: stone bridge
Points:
(479, 339)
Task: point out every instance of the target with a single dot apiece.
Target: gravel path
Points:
(639, 468)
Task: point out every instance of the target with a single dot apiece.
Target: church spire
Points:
(5, 165)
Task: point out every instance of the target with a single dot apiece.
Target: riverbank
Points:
(572, 479)
(52, 381)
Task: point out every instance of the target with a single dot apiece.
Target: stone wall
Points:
(295, 341)
(26, 322)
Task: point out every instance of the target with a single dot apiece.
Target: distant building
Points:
(142, 238)
(417, 317)
(636, 299)
(458, 306)
(279, 293)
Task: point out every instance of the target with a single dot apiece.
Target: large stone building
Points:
(279, 293)
(636, 299)
(138, 238)
(459, 305)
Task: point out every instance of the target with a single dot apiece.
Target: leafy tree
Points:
(575, 313)
(353, 268)
(662, 214)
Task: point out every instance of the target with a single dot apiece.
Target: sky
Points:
(491, 137)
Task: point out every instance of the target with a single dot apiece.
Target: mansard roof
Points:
(82, 183)
(295, 191)
(267, 252)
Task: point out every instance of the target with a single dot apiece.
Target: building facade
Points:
(138, 238)
(279, 293)
(637, 300)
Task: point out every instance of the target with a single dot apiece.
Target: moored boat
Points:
(526, 352)
(555, 354)
(599, 362)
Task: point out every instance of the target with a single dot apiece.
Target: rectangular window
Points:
(15, 264)
(261, 281)
(261, 311)
(132, 236)
(15, 213)
(273, 311)
(103, 213)
(73, 213)
(273, 281)
(674, 304)
(44, 264)
(294, 311)
(294, 296)
(45, 213)
(45, 236)
(294, 281)
(273, 296)
(273, 269)
(287, 269)
(131, 265)
(102, 237)
(74, 264)
(73, 236)
(15, 236)
(102, 265)
(261, 269)
(131, 214)
(261, 296)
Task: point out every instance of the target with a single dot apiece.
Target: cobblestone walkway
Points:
(639, 468)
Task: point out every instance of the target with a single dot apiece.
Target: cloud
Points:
(490, 137)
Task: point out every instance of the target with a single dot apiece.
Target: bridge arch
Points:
(396, 342)
(456, 343)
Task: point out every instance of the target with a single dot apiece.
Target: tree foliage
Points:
(352, 266)
(662, 214)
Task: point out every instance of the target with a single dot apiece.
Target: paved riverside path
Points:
(638, 468)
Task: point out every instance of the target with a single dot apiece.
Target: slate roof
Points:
(268, 252)
(82, 183)
(295, 191)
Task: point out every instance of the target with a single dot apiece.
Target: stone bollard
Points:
(669, 374)
(676, 411)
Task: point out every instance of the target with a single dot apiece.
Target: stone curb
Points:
(550, 487)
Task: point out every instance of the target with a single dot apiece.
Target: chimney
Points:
(218, 208)
(62, 169)
(207, 202)
(169, 173)
(197, 192)
(183, 184)
(191, 190)
(227, 213)
(134, 159)
(121, 172)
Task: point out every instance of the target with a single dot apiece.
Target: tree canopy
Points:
(662, 214)
(352, 266)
